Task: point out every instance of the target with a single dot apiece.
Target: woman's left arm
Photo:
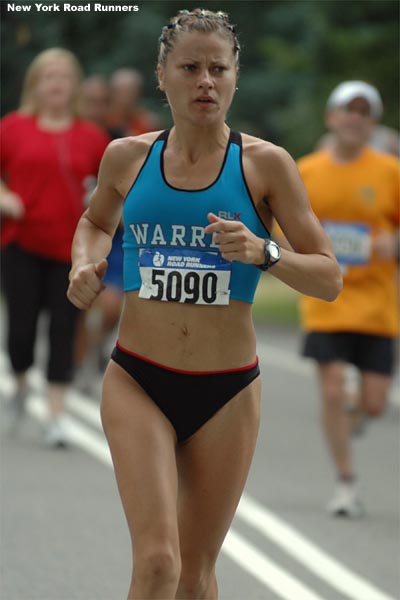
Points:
(310, 267)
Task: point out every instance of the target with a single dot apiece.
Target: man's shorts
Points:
(367, 352)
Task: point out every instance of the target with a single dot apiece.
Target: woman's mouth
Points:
(205, 100)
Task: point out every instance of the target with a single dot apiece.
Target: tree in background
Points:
(294, 53)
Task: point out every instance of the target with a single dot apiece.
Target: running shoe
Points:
(55, 435)
(345, 502)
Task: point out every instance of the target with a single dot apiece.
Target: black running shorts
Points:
(366, 352)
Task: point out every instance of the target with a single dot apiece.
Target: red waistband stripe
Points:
(182, 371)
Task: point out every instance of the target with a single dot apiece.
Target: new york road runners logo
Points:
(158, 259)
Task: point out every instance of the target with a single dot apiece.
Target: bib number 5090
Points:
(188, 287)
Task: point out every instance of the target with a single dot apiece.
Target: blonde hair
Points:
(28, 102)
(205, 21)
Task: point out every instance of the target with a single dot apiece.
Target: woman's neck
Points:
(192, 142)
(55, 120)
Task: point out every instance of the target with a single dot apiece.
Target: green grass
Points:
(275, 302)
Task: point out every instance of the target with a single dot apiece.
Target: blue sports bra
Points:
(167, 255)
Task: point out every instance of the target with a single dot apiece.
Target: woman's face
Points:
(199, 78)
(56, 85)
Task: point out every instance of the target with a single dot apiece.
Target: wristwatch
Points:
(272, 255)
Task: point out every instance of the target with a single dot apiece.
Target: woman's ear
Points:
(160, 77)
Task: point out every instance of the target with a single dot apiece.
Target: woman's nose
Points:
(205, 80)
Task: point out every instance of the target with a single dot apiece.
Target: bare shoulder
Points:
(263, 153)
(122, 161)
(269, 169)
(129, 149)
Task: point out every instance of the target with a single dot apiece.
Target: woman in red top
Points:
(47, 153)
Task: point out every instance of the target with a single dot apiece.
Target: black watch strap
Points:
(272, 255)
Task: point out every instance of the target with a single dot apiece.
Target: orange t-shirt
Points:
(354, 202)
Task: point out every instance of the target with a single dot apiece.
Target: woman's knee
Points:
(195, 580)
(157, 564)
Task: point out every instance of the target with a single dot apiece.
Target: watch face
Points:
(273, 251)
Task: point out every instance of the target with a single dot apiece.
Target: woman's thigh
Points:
(142, 444)
(213, 467)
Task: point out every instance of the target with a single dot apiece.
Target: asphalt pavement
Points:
(64, 535)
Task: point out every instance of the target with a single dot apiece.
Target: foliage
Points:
(294, 53)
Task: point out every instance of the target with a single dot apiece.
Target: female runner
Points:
(181, 394)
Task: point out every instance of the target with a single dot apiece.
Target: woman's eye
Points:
(189, 67)
(219, 69)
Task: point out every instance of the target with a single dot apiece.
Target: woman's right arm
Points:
(93, 236)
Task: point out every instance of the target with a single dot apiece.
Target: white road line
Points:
(281, 359)
(306, 552)
(235, 546)
(249, 510)
(285, 536)
(262, 568)
(79, 435)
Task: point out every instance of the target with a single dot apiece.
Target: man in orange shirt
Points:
(354, 191)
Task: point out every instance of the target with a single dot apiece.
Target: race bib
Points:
(187, 276)
(351, 242)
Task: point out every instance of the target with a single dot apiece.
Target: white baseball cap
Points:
(349, 90)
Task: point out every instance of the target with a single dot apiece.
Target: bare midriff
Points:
(189, 337)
